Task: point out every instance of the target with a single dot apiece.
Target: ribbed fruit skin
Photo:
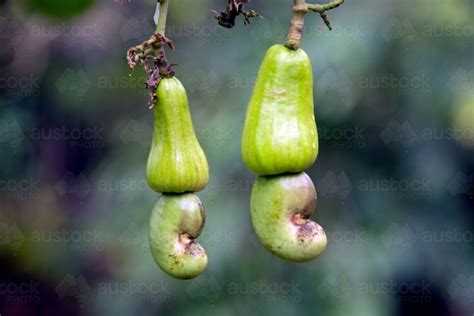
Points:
(173, 215)
(280, 133)
(176, 162)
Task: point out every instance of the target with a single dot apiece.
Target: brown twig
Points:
(151, 55)
(233, 9)
(300, 8)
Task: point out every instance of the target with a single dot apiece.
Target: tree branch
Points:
(233, 9)
(300, 8)
(321, 8)
(161, 26)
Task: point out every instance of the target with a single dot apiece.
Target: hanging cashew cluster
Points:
(176, 167)
(279, 142)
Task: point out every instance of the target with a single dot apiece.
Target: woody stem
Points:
(300, 8)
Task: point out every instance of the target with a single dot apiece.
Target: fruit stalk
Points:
(161, 25)
(300, 8)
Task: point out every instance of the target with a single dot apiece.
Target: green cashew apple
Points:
(280, 132)
(176, 162)
(176, 221)
(280, 209)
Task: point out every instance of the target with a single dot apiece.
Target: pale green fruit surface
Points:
(176, 162)
(280, 207)
(280, 132)
(175, 222)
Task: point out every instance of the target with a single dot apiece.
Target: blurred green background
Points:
(394, 95)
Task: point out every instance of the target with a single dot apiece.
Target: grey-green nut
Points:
(280, 207)
(176, 221)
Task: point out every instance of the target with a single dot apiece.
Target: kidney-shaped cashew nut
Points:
(176, 221)
(280, 207)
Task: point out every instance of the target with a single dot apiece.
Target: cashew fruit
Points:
(175, 222)
(280, 132)
(176, 162)
(280, 208)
